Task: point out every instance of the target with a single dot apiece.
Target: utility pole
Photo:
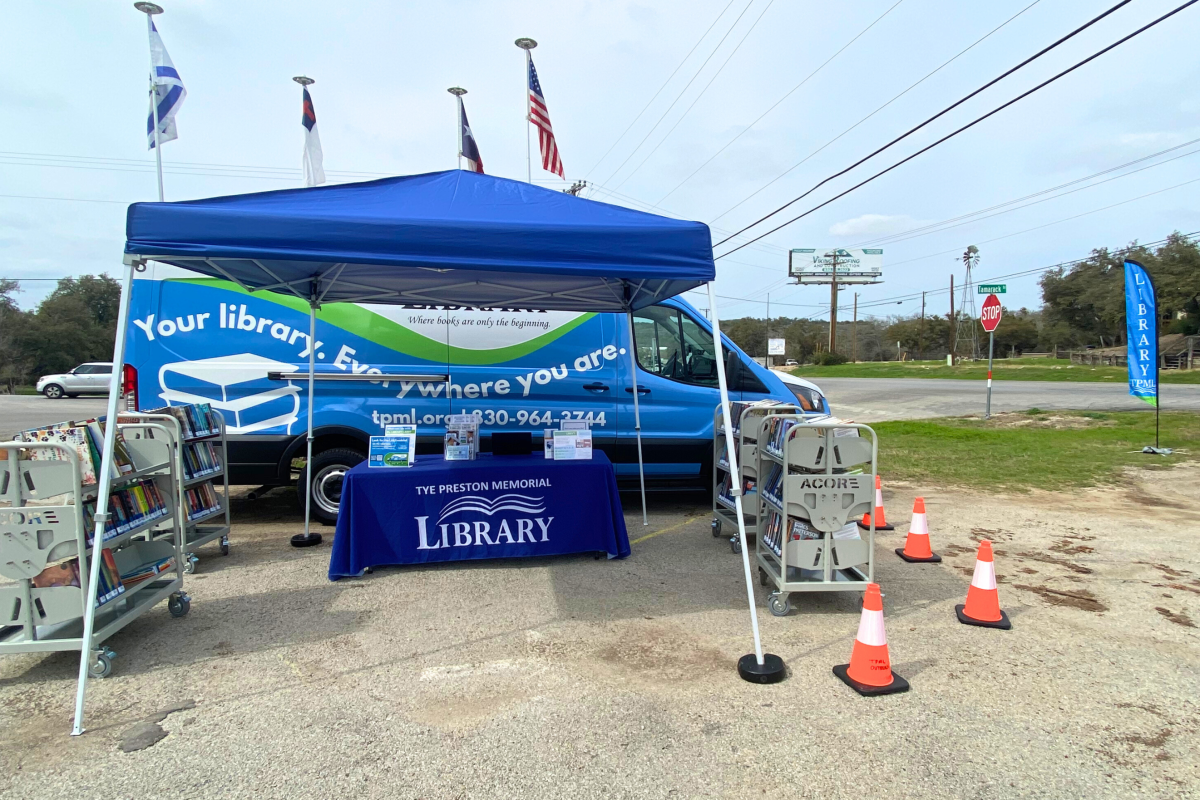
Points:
(953, 328)
(854, 333)
(921, 343)
(833, 302)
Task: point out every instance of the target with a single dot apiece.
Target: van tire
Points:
(328, 468)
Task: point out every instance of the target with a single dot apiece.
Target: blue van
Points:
(197, 339)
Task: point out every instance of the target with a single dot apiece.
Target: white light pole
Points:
(527, 44)
(458, 92)
(150, 10)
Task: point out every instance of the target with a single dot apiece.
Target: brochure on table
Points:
(572, 445)
(397, 448)
(462, 437)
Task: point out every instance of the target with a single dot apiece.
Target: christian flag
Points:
(168, 92)
(540, 117)
(314, 168)
(1141, 333)
(469, 148)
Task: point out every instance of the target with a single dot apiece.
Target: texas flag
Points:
(314, 169)
(470, 150)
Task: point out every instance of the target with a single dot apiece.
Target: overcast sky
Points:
(73, 101)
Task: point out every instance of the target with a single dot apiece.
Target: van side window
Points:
(672, 345)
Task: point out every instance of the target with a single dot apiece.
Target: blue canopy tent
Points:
(454, 238)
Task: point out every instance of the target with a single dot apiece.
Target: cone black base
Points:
(884, 527)
(933, 559)
(306, 540)
(1002, 623)
(772, 670)
(898, 684)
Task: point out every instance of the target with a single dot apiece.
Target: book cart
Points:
(203, 481)
(46, 516)
(748, 419)
(818, 480)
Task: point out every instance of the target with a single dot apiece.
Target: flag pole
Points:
(150, 9)
(458, 92)
(304, 82)
(527, 44)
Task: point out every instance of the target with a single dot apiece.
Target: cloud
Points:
(875, 225)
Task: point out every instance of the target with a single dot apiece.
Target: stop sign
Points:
(989, 315)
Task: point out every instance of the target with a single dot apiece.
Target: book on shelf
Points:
(66, 573)
(128, 508)
(148, 571)
(110, 585)
(202, 500)
(200, 459)
(196, 420)
(87, 440)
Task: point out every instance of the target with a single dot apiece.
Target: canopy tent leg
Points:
(756, 667)
(308, 539)
(637, 417)
(104, 489)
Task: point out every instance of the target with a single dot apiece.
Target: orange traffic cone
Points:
(880, 520)
(916, 546)
(983, 600)
(870, 670)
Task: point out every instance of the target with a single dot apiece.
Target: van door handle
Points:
(641, 390)
(596, 387)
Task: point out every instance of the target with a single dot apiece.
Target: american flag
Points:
(540, 117)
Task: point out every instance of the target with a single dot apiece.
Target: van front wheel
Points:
(329, 467)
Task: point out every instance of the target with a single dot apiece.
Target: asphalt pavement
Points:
(21, 412)
(876, 399)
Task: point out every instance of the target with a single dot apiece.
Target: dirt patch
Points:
(1067, 547)
(662, 653)
(1178, 618)
(1157, 742)
(1183, 588)
(955, 550)
(1165, 570)
(1080, 598)
(979, 534)
(1078, 569)
(1047, 420)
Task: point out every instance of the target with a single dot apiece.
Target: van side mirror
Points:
(733, 370)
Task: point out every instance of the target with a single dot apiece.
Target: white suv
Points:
(91, 378)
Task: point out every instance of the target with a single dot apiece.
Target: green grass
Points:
(24, 390)
(1033, 449)
(1011, 369)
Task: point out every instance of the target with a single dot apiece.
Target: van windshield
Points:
(672, 345)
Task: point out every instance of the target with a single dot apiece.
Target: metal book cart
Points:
(42, 522)
(816, 480)
(749, 419)
(212, 524)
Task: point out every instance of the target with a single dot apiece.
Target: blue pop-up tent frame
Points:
(443, 238)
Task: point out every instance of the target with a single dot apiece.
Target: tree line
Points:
(1083, 305)
(77, 322)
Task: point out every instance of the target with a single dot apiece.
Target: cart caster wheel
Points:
(780, 605)
(224, 545)
(716, 528)
(189, 564)
(179, 605)
(101, 666)
(763, 579)
(735, 544)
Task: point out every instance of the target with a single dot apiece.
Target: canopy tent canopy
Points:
(455, 237)
(443, 238)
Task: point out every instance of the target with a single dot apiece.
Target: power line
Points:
(147, 163)
(788, 94)
(969, 125)
(681, 93)
(68, 199)
(664, 85)
(696, 99)
(936, 116)
(864, 119)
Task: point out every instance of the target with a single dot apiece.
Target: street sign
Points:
(993, 288)
(990, 313)
(776, 347)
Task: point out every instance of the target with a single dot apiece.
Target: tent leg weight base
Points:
(306, 540)
(772, 670)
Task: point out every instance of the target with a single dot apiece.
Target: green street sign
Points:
(995, 288)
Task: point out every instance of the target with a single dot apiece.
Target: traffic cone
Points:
(916, 546)
(870, 670)
(880, 520)
(983, 600)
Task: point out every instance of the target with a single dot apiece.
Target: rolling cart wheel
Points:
(763, 578)
(101, 666)
(735, 544)
(189, 564)
(224, 545)
(716, 528)
(179, 605)
(779, 604)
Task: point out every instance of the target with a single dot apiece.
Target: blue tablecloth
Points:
(494, 507)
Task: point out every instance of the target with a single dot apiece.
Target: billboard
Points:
(776, 347)
(854, 265)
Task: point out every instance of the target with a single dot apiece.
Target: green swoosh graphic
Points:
(380, 330)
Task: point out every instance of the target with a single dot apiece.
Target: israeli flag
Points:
(168, 92)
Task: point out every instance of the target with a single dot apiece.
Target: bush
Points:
(829, 359)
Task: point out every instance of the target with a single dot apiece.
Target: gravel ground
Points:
(580, 678)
